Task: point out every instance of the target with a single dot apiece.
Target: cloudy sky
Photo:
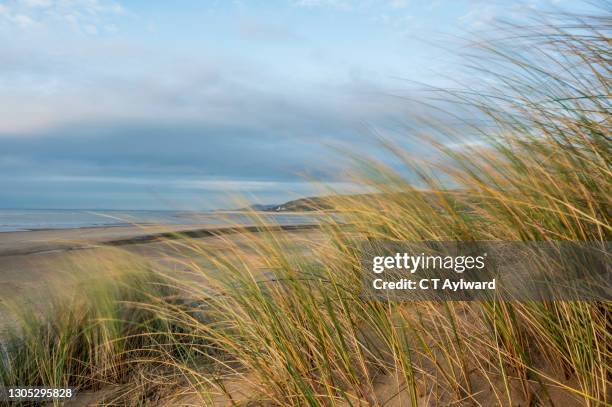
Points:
(149, 104)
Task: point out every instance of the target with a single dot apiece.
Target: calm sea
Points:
(12, 220)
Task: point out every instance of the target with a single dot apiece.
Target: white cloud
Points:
(206, 184)
(353, 4)
(265, 31)
(90, 29)
(111, 28)
(82, 14)
(480, 15)
(483, 15)
(310, 3)
(345, 4)
(22, 20)
(399, 3)
(37, 3)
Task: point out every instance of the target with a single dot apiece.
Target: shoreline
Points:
(180, 217)
(23, 243)
(79, 227)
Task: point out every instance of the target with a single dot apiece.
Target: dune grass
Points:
(279, 319)
(539, 171)
(86, 332)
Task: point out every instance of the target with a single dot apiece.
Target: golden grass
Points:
(278, 320)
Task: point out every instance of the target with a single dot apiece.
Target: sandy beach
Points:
(33, 262)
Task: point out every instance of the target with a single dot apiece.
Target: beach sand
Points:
(33, 263)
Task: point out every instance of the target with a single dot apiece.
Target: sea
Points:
(14, 220)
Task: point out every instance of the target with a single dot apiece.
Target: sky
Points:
(108, 104)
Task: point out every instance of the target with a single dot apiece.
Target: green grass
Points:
(88, 332)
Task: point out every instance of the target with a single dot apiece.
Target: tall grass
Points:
(298, 330)
(87, 331)
(278, 318)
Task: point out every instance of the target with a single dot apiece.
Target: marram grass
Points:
(276, 318)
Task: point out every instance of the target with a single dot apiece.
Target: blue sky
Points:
(183, 104)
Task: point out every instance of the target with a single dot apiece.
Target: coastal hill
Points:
(325, 203)
(297, 205)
